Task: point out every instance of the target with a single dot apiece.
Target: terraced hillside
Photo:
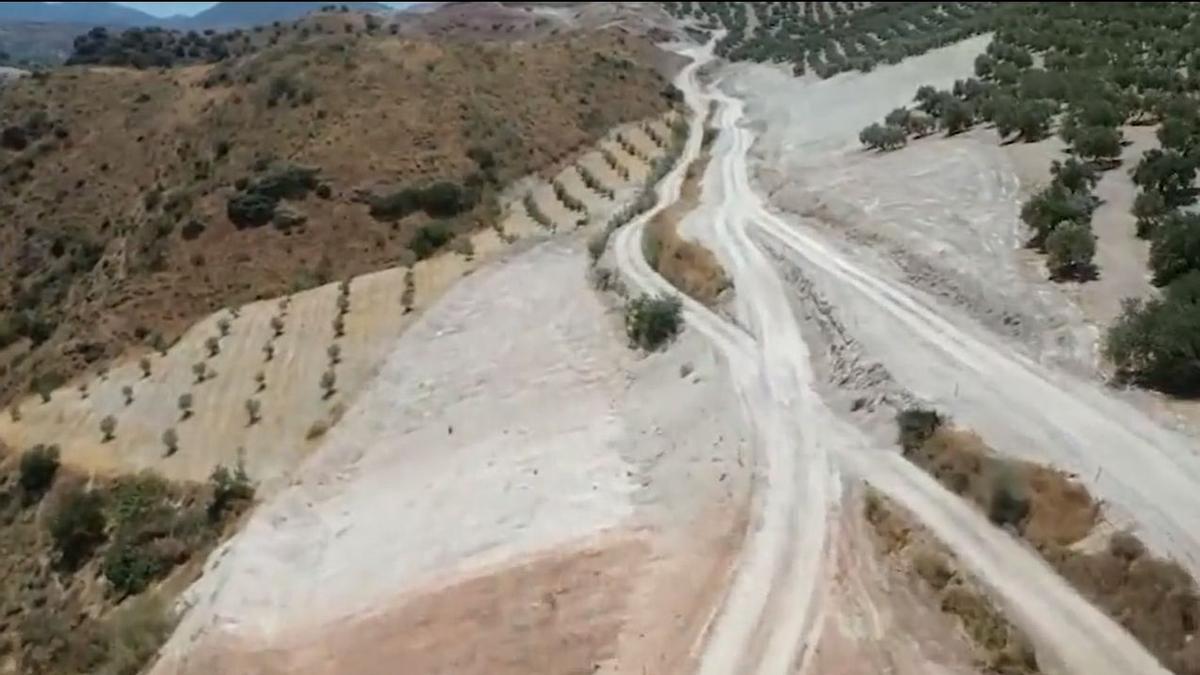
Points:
(137, 201)
(262, 383)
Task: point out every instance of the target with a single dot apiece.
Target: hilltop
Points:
(136, 201)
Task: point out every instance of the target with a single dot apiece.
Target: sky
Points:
(190, 8)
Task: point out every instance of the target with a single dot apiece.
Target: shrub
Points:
(144, 364)
(439, 200)
(1175, 247)
(185, 405)
(229, 489)
(170, 438)
(253, 408)
(429, 238)
(250, 209)
(1009, 503)
(38, 466)
(652, 321)
(77, 526)
(1155, 342)
(130, 566)
(1070, 249)
(916, 426)
(328, 382)
(127, 393)
(883, 137)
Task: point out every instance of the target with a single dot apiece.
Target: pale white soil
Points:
(509, 425)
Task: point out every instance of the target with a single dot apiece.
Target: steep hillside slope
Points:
(136, 201)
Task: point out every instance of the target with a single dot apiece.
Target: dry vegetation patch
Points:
(83, 561)
(1154, 599)
(689, 266)
(136, 201)
(1000, 646)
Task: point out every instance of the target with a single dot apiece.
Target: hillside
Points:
(120, 184)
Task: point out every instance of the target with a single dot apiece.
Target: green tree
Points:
(1150, 208)
(1074, 175)
(1157, 342)
(957, 116)
(1168, 173)
(1070, 248)
(1175, 247)
(1052, 206)
(1098, 144)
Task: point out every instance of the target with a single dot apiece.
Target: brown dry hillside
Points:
(116, 183)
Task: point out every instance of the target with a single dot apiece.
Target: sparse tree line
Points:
(1103, 66)
(827, 38)
(202, 371)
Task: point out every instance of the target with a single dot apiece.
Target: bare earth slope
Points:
(501, 465)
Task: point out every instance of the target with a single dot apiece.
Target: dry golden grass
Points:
(1000, 646)
(1155, 599)
(689, 266)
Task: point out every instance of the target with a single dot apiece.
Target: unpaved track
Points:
(766, 623)
(768, 608)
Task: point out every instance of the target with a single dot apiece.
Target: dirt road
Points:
(766, 623)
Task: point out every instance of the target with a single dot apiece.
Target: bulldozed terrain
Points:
(137, 201)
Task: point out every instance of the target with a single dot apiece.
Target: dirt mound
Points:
(138, 201)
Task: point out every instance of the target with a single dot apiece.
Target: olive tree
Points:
(253, 407)
(185, 405)
(1070, 249)
(108, 426)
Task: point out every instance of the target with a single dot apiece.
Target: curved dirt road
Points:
(766, 624)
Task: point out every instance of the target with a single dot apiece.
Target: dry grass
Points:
(1000, 646)
(1155, 599)
(60, 621)
(689, 266)
(382, 112)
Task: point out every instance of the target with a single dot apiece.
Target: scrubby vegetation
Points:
(1155, 599)
(652, 321)
(1001, 646)
(72, 548)
(154, 47)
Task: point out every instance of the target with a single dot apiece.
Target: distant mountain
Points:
(221, 15)
(90, 13)
(245, 14)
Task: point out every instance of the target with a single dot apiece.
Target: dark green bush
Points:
(652, 321)
(39, 464)
(429, 238)
(229, 489)
(439, 200)
(250, 209)
(77, 526)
